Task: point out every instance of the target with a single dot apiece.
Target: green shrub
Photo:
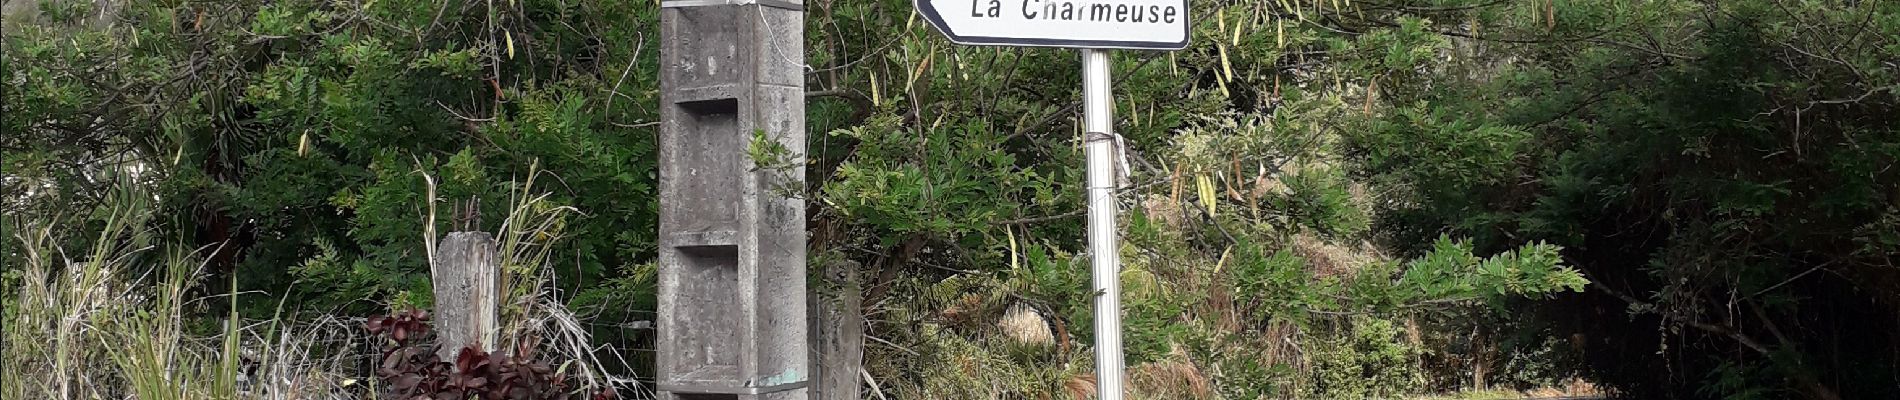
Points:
(1368, 358)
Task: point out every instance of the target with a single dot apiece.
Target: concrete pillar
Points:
(732, 306)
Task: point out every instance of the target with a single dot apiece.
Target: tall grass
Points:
(155, 356)
(127, 319)
(532, 314)
(108, 323)
(116, 321)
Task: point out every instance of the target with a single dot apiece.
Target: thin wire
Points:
(1121, 155)
(774, 44)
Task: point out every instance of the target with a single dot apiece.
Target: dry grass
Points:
(112, 322)
(1326, 259)
(1569, 388)
(1024, 325)
(109, 322)
(1163, 211)
(1176, 377)
(1572, 388)
(1080, 386)
(532, 315)
(306, 360)
(51, 337)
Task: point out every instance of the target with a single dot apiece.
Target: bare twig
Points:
(445, 107)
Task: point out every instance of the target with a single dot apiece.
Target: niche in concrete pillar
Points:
(712, 166)
(712, 355)
(711, 152)
(719, 39)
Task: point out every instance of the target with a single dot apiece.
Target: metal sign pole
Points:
(1104, 252)
(1147, 25)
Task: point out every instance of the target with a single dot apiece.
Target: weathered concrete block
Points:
(732, 321)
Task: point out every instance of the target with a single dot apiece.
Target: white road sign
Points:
(1095, 24)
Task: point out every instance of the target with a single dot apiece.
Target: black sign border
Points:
(936, 21)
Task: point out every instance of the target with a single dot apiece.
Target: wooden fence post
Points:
(837, 339)
(466, 292)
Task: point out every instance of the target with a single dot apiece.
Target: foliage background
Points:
(1340, 199)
